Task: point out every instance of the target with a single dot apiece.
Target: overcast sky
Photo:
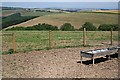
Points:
(105, 5)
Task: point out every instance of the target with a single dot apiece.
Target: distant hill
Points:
(10, 8)
(76, 19)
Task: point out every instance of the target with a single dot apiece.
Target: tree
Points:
(67, 27)
(107, 27)
(36, 27)
(89, 26)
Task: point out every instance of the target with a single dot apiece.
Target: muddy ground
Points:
(57, 63)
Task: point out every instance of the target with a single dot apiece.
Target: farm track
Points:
(56, 63)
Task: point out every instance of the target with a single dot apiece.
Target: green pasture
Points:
(39, 40)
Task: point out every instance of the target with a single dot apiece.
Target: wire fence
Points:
(66, 39)
(7, 39)
(39, 40)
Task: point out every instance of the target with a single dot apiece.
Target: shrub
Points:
(67, 27)
(107, 27)
(10, 51)
(89, 26)
(36, 27)
(15, 28)
(47, 27)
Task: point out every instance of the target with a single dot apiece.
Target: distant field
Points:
(76, 19)
(8, 12)
(108, 11)
(37, 40)
(25, 13)
(14, 19)
(31, 13)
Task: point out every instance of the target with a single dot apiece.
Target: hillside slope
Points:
(76, 19)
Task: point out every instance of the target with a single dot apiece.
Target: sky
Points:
(59, 0)
(103, 5)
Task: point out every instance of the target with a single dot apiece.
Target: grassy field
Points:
(6, 13)
(25, 13)
(108, 11)
(76, 19)
(31, 13)
(37, 40)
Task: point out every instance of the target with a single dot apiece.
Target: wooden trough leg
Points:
(81, 59)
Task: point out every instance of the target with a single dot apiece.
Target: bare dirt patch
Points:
(57, 63)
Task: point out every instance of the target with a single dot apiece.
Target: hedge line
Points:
(68, 27)
(15, 19)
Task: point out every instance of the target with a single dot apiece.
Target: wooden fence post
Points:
(13, 42)
(111, 36)
(50, 39)
(84, 37)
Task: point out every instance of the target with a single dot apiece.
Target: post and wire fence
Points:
(40, 40)
(8, 41)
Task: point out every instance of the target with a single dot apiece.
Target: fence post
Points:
(111, 36)
(13, 42)
(84, 37)
(50, 39)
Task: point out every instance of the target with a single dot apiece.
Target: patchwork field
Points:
(76, 19)
(6, 21)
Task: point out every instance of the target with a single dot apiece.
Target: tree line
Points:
(14, 19)
(68, 27)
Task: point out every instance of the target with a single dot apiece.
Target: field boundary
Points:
(13, 39)
(40, 40)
